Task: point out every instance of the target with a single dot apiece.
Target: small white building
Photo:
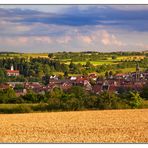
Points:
(12, 72)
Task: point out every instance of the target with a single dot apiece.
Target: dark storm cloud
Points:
(74, 16)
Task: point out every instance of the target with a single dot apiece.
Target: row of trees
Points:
(91, 56)
(77, 99)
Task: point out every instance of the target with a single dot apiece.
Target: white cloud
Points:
(110, 39)
(142, 45)
(64, 39)
(85, 39)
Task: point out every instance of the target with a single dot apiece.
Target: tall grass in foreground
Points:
(44, 107)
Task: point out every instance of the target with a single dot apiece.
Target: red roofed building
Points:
(12, 72)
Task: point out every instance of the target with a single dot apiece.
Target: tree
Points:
(7, 96)
(10, 93)
(111, 73)
(2, 73)
(88, 64)
(19, 87)
(71, 65)
(30, 97)
(73, 104)
(46, 69)
(144, 92)
(50, 55)
(56, 93)
(78, 91)
(2, 76)
(106, 74)
(107, 100)
(92, 82)
(135, 100)
(65, 74)
(114, 57)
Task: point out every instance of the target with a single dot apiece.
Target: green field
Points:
(95, 63)
(108, 61)
(22, 108)
(39, 107)
(24, 55)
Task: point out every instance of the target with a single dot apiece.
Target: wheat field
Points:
(109, 126)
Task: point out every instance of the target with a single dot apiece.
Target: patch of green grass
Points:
(22, 108)
(25, 55)
(127, 70)
(95, 63)
(144, 104)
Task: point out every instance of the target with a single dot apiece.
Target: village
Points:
(92, 83)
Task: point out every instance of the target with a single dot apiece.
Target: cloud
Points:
(25, 41)
(86, 39)
(142, 45)
(80, 15)
(17, 41)
(74, 27)
(108, 39)
(64, 39)
(42, 39)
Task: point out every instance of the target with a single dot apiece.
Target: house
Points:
(66, 86)
(80, 80)
(120, 76)
(12, 72)
(35, 86)
(73, 78)
(21, 92)
(4, 86)
(109, 86)
(93, 76)
(13, 84)
(54, 77)
(87, 85)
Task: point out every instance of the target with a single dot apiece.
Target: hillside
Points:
(82, 126)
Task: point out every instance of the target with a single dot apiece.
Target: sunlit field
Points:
(110, 126)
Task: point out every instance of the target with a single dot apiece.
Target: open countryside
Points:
(73, 74)
(49, 84)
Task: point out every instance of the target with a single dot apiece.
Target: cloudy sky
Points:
(52, 28)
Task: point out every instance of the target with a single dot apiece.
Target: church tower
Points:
(137, 72)
(12, 68)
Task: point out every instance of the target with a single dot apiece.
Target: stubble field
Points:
(110, 126)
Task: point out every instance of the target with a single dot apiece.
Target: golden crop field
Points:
(107, 126)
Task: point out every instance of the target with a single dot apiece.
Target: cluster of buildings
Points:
(116, 83)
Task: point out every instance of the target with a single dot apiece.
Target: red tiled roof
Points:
(112, 88)
(93, 75)
(12, 71)
(4, 86)
(80, 80)
(97, 88)
(120, 74)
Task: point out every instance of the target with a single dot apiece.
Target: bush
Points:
(15, 109)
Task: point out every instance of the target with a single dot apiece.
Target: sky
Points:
(57, 28)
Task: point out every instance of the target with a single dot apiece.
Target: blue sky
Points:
(52, 28)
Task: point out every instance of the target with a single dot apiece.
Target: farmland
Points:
(24, 55)
(109, 126)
